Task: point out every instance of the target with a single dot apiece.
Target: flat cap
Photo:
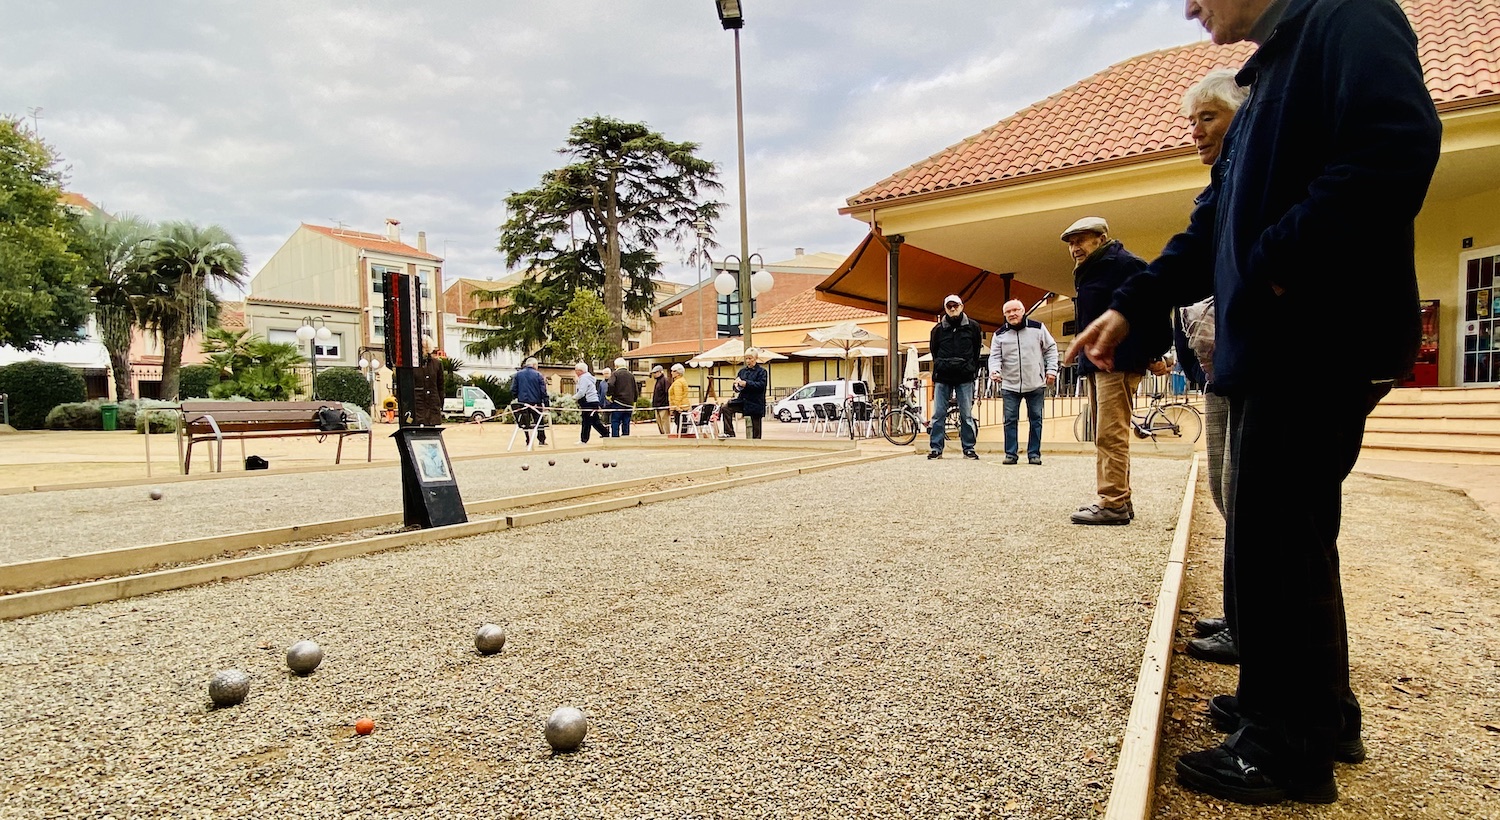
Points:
(1089, 224)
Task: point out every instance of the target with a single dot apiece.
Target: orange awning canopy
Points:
(925, 278)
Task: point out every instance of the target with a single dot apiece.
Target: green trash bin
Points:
(110, 414)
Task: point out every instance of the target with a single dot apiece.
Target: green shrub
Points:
(36, 387)
(565, 410)
(499, 392)
(344, 384)
(196, 379)
(160, 422)
(75, 415)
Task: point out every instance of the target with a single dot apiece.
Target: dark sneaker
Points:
(1034, 460)
(1223, 773)
(971, 455)
(1009, 460)
(1095, 514)
(1224, 712)
(1204, 627)
(1216, 648)
(934, 454)
(1129, 509)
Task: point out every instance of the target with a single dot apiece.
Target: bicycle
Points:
(1175, 419)
(900, 425)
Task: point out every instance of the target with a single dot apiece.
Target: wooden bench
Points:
(220, 420)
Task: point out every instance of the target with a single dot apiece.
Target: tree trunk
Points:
(614, 292)
(119, 365)
(172, 340)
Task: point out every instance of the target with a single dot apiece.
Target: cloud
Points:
(262, 115)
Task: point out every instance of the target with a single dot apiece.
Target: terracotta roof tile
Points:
(371, 242)
(806, 309)
(1458, 40)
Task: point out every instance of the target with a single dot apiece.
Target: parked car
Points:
(470, 403)
(789, 408)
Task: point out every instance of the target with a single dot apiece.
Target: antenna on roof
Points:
(339, 223)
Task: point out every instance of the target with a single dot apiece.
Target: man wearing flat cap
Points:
(954, 344)
(1101, 265)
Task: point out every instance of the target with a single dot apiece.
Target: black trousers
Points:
(752, 423)
(590, 420)
(1285, 490)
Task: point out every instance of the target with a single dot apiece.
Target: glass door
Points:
(1478, 328)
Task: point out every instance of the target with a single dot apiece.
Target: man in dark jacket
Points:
(1102, 265)
(954, 344)
(1339, 139)
(531, 399)
(623, 392)
(659, 399)
(751, 383)
(428, 386)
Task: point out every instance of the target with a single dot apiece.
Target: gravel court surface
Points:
(69, 522)
(899, 639)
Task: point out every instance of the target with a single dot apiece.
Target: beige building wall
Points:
(1442, 228)
(310, 268)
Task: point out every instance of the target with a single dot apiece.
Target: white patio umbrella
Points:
(913, 366)
(733, 352)
(843, 335)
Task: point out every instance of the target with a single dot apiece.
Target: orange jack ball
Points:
(364, 726)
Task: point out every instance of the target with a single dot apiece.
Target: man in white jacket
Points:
(1023, 359)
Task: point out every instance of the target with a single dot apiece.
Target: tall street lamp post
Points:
(371, 367)
(702, 228)
(314, 330)
(732, 18)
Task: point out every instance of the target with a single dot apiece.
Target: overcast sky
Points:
(260, 114)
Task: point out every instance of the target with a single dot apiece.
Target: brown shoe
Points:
(1095, 514)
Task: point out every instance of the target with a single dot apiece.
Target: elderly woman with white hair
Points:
(1210, 105)
(586, 393)
(677, 396)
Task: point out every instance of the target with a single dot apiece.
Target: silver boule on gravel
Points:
(303, 657)
(228, 687)
(489, 639)
(565, 729)
(156, 493)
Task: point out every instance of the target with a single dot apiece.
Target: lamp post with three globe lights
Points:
(371, 368)
(313, 331)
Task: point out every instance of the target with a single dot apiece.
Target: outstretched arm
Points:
(1099, 340)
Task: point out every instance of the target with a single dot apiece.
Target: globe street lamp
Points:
(732, 18)
(703, 233)
(313, 327)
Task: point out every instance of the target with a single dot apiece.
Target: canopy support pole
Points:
(892, 290)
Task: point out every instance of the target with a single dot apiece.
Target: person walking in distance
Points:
(661, 398)
(586, 393)
(623, 392)
(531, 395)
(1102, 264)
(1023, 362)
(954, 343)
(750, 400)
(1339, 138)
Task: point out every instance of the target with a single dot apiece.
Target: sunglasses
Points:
(952, 305)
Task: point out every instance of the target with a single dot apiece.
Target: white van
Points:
(807, 395)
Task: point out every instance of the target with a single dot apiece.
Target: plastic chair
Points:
(831, 413)
(534, 421)
(804, 419)
(820, 423)
(861, 419)
(705, 421)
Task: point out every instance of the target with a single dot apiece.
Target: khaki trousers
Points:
(1112, 395)
(664, 421)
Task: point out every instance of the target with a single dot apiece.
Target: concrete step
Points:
(1434, 424)
(1435, 453)
(1440, 395)
(1430, 410)
(1469, 442)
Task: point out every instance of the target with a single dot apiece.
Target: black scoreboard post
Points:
(429, 489)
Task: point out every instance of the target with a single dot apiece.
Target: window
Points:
(804, 393)
(1480, 327)
(377, 276)
(377, 325)
(822, 391)
(330, 348)
(283, 337)
(728, 314)
(425, 278)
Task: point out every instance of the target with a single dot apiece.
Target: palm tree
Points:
(185, 260)
(114, 252)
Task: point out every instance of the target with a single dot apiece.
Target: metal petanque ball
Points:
(585, 459)
(551, 462)
(156, 493)
(228, 687)
(526, 466)
(303, 657)
(489, 639)
(566, 728)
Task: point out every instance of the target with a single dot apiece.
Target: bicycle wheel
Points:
(899, 428)
(1184, 421)
(1081, 425)
(951, 428)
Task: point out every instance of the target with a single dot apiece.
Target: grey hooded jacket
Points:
(1023, 356)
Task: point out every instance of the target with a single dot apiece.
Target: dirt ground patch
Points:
(1421, 564)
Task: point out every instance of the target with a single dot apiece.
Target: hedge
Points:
(195, 379)
(344, 384)
(36, 387)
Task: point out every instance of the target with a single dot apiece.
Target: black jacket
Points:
(1307, 226)
(1096, 280)
(955, 350)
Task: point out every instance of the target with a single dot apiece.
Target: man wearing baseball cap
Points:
(1102, 264)
(954, 344)
(660, 399)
